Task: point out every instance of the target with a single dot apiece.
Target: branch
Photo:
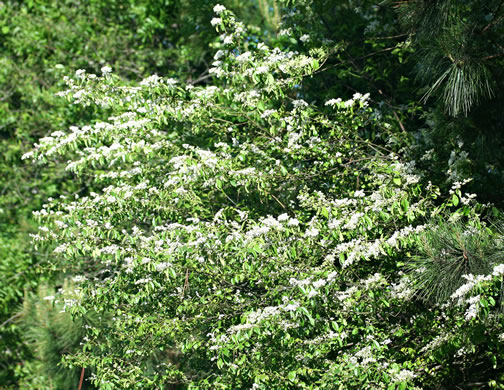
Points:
(81, 378)
(11, 319)
(495, 21)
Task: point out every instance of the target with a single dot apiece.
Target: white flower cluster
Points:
(362, 100)
(403, 376)
(472, 281)
(473, 309)
(219, 9)
(402, 290)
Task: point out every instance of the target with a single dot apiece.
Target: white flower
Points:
(171, 82)
(313, 232)
(304, 38)
(219, 54)
(332, 276)
(354, 220)
(244, 57)
(80, 72)
(267, 113)
(215, 21)
(319, 283)
(473, 310)
(465, 288)
(283, 217)
(262, 46)
(78, 94)
(162, 266)
(218, 9)
(62, 248)
(240, 327)
(262, 69)
(333, 102)
(292, 307)
(293, 222)
(106, 69)
(299, 103)
(402, 289)
(285, 32)
(498, 270)
(404, 376)
(27, 155)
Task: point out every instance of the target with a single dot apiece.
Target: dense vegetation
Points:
(251, 195)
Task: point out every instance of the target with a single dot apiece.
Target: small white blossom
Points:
(283, 217)
(319, 283)
(293, 222)
(299, 103)
(313, 232)
(292, 307)
(404, 376)
(498, 270)
(218, 9)
(244, 57)
(333, 102)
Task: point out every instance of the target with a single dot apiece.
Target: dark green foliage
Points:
(459, 48)
(368, 52)
(458, 59)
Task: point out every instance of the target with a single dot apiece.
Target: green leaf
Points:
(455, 200)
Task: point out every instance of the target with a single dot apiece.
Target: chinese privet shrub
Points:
(245, 238)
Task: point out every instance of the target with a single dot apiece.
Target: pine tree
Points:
(51, 333)
(459, 50)
(449, 252)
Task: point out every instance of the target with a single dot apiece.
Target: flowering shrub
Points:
(245, 238)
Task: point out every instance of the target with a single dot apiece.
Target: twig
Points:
(495, 21)
(81, 379)
(399, 121)
(280, 203)
(11, 319)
